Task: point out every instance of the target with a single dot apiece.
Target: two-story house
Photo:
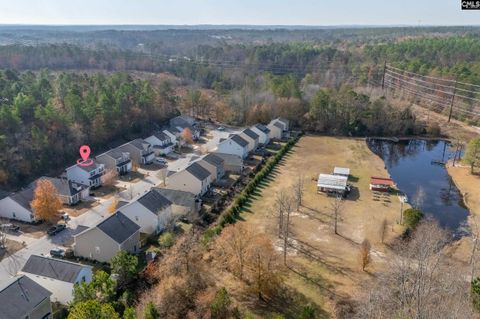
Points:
(69, 192)
(214, 164)
(184, 204)
(116, 160)
(151, 211)
(194, 179)
(263, 133)
(23, 298)
(235, 145)
(103, 241)
(57, 275)
(278, 128)
(162, 143)
(251, 137)
(140, 151)
(87, 175)
(184, 121)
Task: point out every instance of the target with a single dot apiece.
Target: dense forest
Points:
(62, 87)
(45, 117)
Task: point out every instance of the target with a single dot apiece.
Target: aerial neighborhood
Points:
(125, 196)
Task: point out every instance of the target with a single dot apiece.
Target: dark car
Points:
(11, 228)
(57, 252)
(56, 229)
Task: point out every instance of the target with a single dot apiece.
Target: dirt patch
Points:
(107, 191)
(11, 247)
(80, 208)
(325, 266)
(131, 177)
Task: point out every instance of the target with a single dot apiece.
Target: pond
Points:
(414, 166)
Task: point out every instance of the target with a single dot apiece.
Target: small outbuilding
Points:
(341, 171)
(381, 184)
(332, 184)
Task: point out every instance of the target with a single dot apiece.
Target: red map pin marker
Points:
(84, 152)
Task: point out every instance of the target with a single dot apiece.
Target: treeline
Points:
(45, 117)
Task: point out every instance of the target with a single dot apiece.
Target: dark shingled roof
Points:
(177, 197)
(24, 197)
(139, 143)
(240, 141)
(161, 136)
(279, 125)
(53, 268)
(115, 153)
(198, 171)
(262, 128)
(19, 296)
(214, 159)
(65, 187)
(250, 134)
(90, 167)
(118, 227)
(154, 202)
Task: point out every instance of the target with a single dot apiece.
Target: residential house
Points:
(263, 133)
(174, 135)
(214, 164)
(69, 192)
(23, 298)
(232, 163)
(184, 204)
(161, 142)
(103, 241)
(251, 137)
(57, 275)
(152, 212)
(140, 151)
(17, 205)
(235, 145)
(184, 121)
(276, 130)
(194, 179)
(117, 160)
(87, 175)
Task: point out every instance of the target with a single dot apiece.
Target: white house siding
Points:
(252, 144)
(275, 132)
(132, 244)
(12, 210)
(173, 138)
(40, 311)
(262, 137)
(184, 181)
(230, 147)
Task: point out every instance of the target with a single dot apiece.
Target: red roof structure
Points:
(381, 181)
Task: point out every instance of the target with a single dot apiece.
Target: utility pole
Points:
(453, 99)
(383, 77)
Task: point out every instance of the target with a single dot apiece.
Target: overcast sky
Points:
(258, 12)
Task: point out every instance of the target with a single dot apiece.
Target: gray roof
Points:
(19, 296)
(214, 160)
(118, 227)
(279, 125)
(230, 159)
(115, 153)
(24, 197)
(177, 197)
(161, 136)
(53, 268)
(89, 168)
(154, 202)
(65, 187)
(139, 144)
(250, 134)
(262, 128)
(239, 140)
(198, 171)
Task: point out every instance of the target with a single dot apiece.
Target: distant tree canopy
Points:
(45, 116)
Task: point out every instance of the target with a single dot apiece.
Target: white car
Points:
(160, 160)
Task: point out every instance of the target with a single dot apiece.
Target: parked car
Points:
(160, 160)
(10, 227)
(65, 216)
(52, 231)
(57, 252)
(221, 128)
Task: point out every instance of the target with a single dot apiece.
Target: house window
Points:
(97, 249)
(135, 248)
(14, 215)
(83, 279)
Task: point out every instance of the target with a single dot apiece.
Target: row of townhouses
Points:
(44, 279)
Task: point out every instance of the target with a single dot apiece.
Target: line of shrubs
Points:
(231, 214)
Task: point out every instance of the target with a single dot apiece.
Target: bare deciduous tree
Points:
(162, 174)
(337, 207)
(383, 230)
(298, 189)
(419, 282)
(364, 254)
(110, 177)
